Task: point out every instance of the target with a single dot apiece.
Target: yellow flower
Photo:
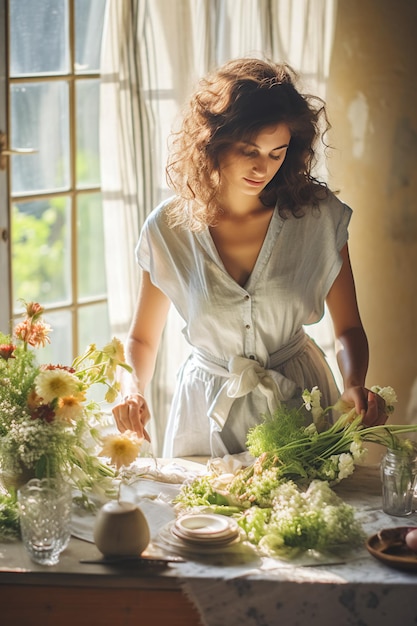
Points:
(114, 350)
(115, 354)
(122, 448)
(112, 393)
(55, 383)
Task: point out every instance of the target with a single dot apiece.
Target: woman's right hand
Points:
(133, 414)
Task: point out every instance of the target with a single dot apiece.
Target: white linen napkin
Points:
(152, 486)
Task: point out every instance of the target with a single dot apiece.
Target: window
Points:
(55, 212)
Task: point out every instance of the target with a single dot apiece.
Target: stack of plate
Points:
(203, 531)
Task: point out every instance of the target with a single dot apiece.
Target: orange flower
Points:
(35, 334)
(33, 310)
(33, 400)
(70, 408)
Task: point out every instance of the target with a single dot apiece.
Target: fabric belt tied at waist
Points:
(244, 375)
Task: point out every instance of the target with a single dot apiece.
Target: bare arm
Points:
(352, 345)
(141, 351)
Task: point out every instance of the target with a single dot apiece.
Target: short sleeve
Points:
(342, 233)
(167, 254)
(143, 250)
(340, 213)
(153, 237)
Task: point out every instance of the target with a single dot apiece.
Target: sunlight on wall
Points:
(373, 109)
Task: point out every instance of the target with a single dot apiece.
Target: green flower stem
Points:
(105, 470)
(310, 451)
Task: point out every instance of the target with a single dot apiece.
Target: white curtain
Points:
(154, 51)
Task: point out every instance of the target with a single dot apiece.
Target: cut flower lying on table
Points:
(283, 501)
(49, 426)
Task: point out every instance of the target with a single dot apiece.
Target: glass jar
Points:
(399, 476)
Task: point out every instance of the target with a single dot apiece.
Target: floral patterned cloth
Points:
(360, 591)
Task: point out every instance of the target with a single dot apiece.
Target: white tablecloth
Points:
(246, 589)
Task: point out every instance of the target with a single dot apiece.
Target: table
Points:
(358, 592)
(75, 594)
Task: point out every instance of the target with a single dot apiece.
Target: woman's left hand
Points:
(368, 404)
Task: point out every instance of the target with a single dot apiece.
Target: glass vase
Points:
(399, 476)
(14, 480)
(45, 518)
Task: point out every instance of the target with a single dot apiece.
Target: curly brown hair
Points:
(234, 103)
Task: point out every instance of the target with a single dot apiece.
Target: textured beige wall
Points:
(372, 102)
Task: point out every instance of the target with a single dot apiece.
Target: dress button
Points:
(247, 297)
(247, 326)
(252, 356)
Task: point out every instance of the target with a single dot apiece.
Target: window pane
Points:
(89, 17)
(91, 267)
(40, 120)
(38, 37)
(59, 351)
(94, 326)
(88, 169)
(41, 251)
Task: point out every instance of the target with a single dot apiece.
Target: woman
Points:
(248, 250)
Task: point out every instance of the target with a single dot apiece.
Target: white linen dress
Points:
(249, 349)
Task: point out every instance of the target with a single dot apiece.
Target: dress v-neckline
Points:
(274, 228)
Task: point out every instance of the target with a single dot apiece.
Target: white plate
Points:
(170, 542)
(213, 540)
(205, 524)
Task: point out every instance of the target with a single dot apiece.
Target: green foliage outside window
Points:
(40, 250)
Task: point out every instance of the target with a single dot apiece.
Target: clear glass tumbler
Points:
(45, 518)
(399, 477)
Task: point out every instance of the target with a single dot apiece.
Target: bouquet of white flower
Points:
(283, 500)
(301, 452)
